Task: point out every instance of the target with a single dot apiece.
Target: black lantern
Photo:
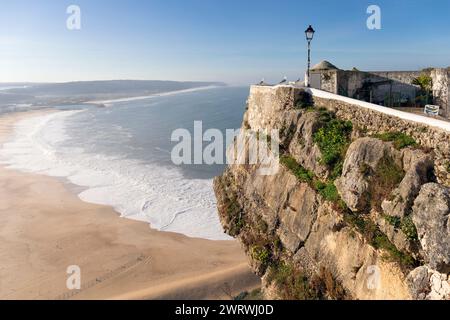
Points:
(309, 33)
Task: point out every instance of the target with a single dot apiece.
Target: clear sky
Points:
(236, 41)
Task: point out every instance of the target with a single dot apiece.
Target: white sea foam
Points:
(159, 195)
(109, 103)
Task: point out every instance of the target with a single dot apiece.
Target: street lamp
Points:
(309, 36)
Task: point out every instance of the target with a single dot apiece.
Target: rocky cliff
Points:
(355, 211)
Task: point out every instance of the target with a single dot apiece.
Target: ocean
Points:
(120, 156)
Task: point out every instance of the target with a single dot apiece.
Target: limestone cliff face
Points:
(350, 214)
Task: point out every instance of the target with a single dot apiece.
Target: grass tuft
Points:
(301, 173)
(399, 139)
(328, 191)
(261, 254)
(396, 222)
(409, 229)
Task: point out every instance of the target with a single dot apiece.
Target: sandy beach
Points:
(45, 228)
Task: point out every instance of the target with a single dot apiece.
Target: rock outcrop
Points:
(419, 170)
(363, 159)
(428, 284)
(302, 146)
(431, 215)
(346, 216)
(296, 228)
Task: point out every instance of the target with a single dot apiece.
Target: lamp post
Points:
(309, 36)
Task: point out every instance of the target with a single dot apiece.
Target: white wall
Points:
(445, 125)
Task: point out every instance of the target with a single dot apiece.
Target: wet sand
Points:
(45, 228)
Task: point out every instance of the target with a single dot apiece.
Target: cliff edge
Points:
(359, 208)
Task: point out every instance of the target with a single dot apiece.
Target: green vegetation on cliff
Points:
(409, 229)
(301, 173)
(385, 178)
(406, 225)
(396, 222)
(232, 212)
(261, 254)
(373, 235)
(294, 284)
(328, 191)
(333, 140)
(399, 139)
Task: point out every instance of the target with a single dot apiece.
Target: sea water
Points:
(121, 156)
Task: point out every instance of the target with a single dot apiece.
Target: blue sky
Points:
(236, 41)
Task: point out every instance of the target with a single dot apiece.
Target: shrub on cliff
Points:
(333, 140)
(409, 229)
(260, 254)
(396, 222)
(328, 191)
